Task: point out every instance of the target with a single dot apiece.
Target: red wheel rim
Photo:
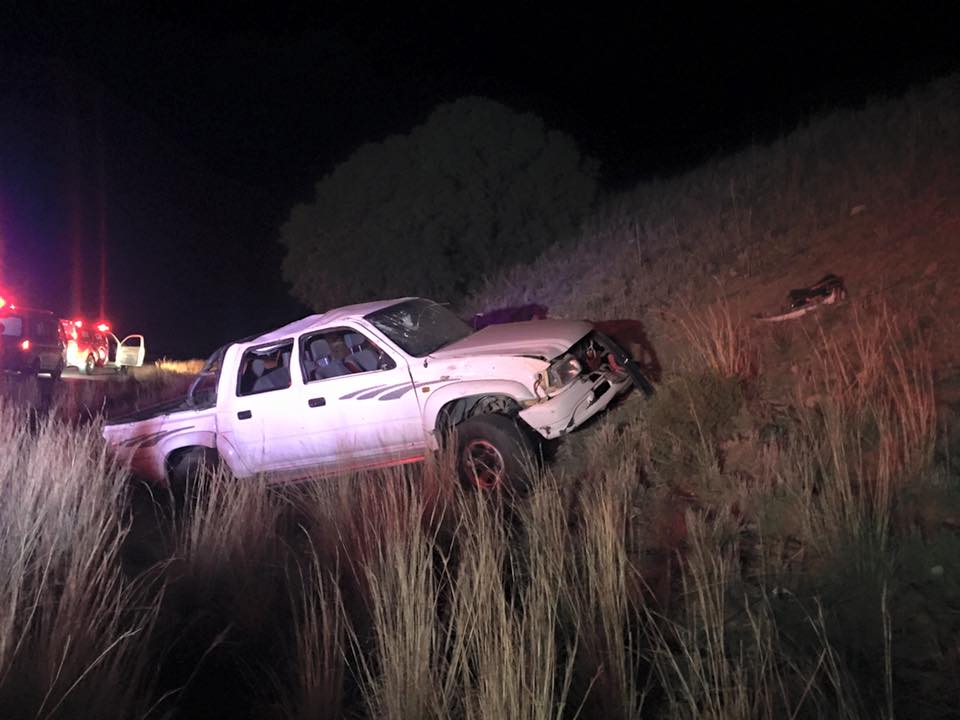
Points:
(483, 464)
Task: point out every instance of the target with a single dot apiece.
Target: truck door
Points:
(131, 351)
(44, 331)
(262, 422)
(361, 404)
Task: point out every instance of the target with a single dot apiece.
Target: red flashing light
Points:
(25, 345)
(103, 327)
(78, 323)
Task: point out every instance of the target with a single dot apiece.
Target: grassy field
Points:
(774, 534)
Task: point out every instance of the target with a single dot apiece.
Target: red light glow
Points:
(3, 301)
(78, 323)
(103, 327)
(25, 345)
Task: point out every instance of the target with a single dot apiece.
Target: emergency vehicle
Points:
(31, 341)
(86, 345)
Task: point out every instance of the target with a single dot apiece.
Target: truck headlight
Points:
(560, 373)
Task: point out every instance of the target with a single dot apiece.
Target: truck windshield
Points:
(203, 391)
(419, 326)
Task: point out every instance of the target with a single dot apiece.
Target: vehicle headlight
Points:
(560, 373)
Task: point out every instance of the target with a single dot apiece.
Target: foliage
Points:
(689, 417)
(474, 188)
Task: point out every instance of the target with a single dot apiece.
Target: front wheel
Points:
(493, 453)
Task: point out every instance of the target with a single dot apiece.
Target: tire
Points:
(57, 371)
(185, 466)
(88, 365)
(493, 453)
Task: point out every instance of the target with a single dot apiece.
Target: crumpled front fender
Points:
(580, 401)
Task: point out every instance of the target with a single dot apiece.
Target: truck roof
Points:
(8, 310)
(330, 317)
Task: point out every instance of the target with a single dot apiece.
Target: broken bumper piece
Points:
(577, 403)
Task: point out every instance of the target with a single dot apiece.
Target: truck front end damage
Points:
(578, 385)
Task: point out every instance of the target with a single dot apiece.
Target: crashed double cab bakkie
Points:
(378, 384)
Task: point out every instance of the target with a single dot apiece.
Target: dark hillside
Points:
(871, 194)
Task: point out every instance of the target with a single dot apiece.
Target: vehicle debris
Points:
(829, 290)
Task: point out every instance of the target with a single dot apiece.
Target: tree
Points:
(476, 188)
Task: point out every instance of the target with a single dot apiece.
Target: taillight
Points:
(25, 345)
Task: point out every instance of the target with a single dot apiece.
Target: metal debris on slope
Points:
(829, 290)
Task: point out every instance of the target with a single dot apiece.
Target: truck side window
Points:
(265, 368)
(343, 351)
(13, 326)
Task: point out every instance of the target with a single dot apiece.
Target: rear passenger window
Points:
(12, 326)
(265, 368)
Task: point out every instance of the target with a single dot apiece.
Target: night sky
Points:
(178, 142)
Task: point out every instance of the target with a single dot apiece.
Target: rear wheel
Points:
(185, 467)
(493, 453)
(88, 365)
(57, 371)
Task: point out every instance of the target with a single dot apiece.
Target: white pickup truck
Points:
(378, 384)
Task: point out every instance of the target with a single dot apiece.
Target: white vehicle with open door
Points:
(129, 352)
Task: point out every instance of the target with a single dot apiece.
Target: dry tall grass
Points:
(507, 608)
(181, 367)
(866, 426)
(408, 674)
(720, 340)
(399, 594)
(602, 588)
(72, 627)
(315, 689)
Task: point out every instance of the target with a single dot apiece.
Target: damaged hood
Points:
(545, 339)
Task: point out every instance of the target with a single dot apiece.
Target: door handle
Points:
(316, 402)
(244, 415)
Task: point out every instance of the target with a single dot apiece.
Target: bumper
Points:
(579, 402)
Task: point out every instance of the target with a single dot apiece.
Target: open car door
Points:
(131, 351)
